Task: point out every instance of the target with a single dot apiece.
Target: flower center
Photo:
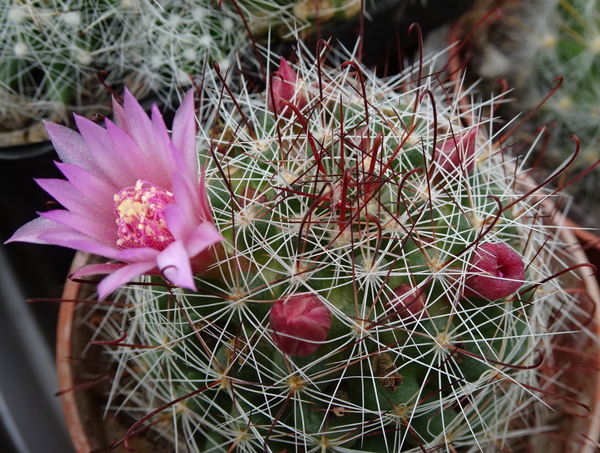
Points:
(140, 212)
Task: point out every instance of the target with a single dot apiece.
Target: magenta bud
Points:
(300, 322)
(495, 271)
(408, 302)
(284, 89)
(457, 152)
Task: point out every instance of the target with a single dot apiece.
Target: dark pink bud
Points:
(457, 152)
(300, 322)
(496, 271)
(285, 88)
(409, 302)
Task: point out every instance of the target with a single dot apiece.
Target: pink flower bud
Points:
(457, 152)
(299, 323)
(409, 302)
(284, 88)
(496, 271)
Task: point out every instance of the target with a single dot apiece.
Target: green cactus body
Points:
(344, 201)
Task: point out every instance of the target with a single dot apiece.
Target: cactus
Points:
(181, 39)
(51, 52)
(552, 47)
(284, 16)
(386, 282)
(574, 55)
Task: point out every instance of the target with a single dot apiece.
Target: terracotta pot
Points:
(576, 356)
(84, 375)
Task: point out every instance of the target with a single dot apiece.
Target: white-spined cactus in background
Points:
(549, 51)
(51, 53)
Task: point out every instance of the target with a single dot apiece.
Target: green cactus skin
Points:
(344, 200)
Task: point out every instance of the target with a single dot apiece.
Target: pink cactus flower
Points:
(300, 322)
(409, 302)
(457, 152)
(133, 194)
(495, 271)
(285, 88)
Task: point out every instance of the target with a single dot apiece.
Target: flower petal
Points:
(92, 227)
(122, 276)
(71, 148)
(186, 197)
(109, 159)
(136, 255)
(205, 235)
(96, 269)
(67, 237)
(140, 166)
(89, 185)
(140, 128)
(184, 133)
(174, 263)
(48, 232)
(163, 142)
(177, 222)
(118, 115)
(205, 210)
(65, 193)
(31, 231)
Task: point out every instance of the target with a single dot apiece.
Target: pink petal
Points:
(119, 117)
(66, 237)
(71, 148)
(109, 159)
(31, 231)
(136, 255)
(65, 193)
(205, 209)
(122, 276)
(141, 167)
(177, 222)
(92, 227)
(89, 185)
(46, 231)
(204, 236)
(140, 128)
(174, 263)
(163, 142)
(186, 196)
(96, 269)
(184, 132)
